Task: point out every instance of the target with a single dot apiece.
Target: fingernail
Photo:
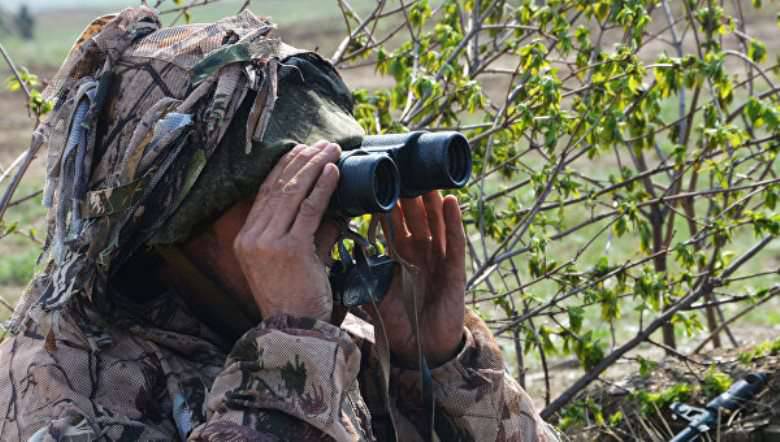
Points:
(332, 148)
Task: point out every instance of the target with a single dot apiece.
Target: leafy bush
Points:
(715, 382)
(653, 402)
(761, 350)
(625, 174)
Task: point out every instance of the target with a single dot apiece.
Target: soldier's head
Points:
(306, 102)
(162, 136)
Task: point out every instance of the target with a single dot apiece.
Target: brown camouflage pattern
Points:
(130, 133)
(166, 376)
(138, 113)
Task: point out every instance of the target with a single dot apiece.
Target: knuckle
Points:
(246, 245)
(241, 245)
(309, 152)
(265, 190)
(283, 250)
(310, 208)
(288, 187)
(287, 244)
(279, 183)
(422, 240)
(295, 151)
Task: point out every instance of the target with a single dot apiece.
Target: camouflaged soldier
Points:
(25, 23)
(178, 302)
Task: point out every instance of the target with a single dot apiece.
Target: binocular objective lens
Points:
(386, 183)
(459, 160)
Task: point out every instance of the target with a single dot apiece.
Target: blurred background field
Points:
(305, 23)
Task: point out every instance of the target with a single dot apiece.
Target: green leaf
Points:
(634, 84)
(576, 318)
(646, 367)
(12, 84)
(38, 104)
(715, 382)
(615, 418)
(645, 236)
(11, 228)
(756, 51)
(589, 351)
(602, 267)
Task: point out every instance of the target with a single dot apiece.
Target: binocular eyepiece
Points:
(387, 167)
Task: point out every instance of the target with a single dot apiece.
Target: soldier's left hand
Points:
(428, 233)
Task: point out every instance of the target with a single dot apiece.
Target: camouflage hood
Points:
(156, 131)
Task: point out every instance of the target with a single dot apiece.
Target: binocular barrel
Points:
(369, 183)
(387, 167)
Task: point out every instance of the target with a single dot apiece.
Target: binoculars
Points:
(387, 167)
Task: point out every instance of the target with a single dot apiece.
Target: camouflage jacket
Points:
(167, 376)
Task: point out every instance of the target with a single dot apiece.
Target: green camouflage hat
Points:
(156, 131)
(313, 104)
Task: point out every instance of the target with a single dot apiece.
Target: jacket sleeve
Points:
(286, 379)
(476, 399)
(53, 387)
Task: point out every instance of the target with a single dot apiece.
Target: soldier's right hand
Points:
(276, 245)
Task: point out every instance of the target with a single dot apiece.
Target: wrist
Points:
(310, 311)
(434, 358)
(441, 357)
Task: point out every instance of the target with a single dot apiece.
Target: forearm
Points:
(475, 398)
(284, 378)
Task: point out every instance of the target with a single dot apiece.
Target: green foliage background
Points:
(625, 163)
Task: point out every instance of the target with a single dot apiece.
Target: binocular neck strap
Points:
(413, 293)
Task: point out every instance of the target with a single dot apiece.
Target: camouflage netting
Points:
(156, 131)
(231, 173)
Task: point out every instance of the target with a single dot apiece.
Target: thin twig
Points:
(15, 71)
(664, 318)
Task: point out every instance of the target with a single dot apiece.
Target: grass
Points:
(17, 269)
(18, 251)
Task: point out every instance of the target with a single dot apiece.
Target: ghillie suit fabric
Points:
(155, 132)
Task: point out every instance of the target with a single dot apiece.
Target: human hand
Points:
(276, 249)
(428, 233)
